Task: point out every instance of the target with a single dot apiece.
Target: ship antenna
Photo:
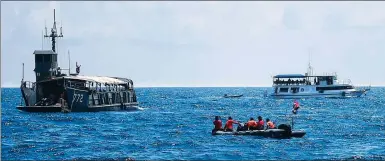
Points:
(69, 63)
(45, 25)
(53, 34)
(23, 73)
(42, 40)
(310, 69)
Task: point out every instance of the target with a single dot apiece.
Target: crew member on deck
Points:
(78, 68)
(229, 124)
(260, 124)
(269, 124)
(217, 124)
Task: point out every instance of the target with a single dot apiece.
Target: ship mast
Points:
(310, 68)
(54, 33)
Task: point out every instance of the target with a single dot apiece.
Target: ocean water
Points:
(176, 123)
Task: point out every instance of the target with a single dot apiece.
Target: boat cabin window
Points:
(283, 90)
(294, 90)
(334, 88)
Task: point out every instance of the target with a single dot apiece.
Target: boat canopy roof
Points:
(300, 76)
(97, 79)
(289, 76)
(44, 52)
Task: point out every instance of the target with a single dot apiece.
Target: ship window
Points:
(47, 58)
(334, 88)
(39, 58)
(284, 90)
(295, 90)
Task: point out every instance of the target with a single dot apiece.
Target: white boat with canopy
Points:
(309, 85)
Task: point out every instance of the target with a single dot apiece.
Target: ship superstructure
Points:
(55, 91)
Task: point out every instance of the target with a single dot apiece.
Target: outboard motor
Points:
(287, 128)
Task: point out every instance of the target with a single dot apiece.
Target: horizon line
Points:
(209, 86)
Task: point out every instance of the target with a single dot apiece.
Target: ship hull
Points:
(318, 95)
(85, 101)
(40, 108)
(113, 107)
(313, 92)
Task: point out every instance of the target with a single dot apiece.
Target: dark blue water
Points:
(176, 123)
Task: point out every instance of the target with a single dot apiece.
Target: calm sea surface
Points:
(176, 123)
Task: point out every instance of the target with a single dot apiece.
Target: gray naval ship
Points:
(55, 91)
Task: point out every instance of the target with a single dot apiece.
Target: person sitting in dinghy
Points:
(229, 124)
(260, 124)
(217, 124)
(251, 124)
(269, 124)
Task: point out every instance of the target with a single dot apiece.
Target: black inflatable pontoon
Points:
(274, 133)
(281, 132)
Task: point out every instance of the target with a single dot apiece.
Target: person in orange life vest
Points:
(251, 124)
(260, 124)
(229, 124)
(217, 124)
(269, 124)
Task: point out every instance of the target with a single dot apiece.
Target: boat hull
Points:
(319, 95)
(236, 96)
(273, 133)
(55, 108)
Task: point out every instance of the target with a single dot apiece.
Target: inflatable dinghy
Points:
(283, 132)
(232, 96)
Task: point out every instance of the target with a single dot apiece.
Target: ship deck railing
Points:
(98, 87)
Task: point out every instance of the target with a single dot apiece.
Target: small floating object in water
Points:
(232, 96)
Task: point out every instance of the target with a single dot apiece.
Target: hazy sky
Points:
(200, 43)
